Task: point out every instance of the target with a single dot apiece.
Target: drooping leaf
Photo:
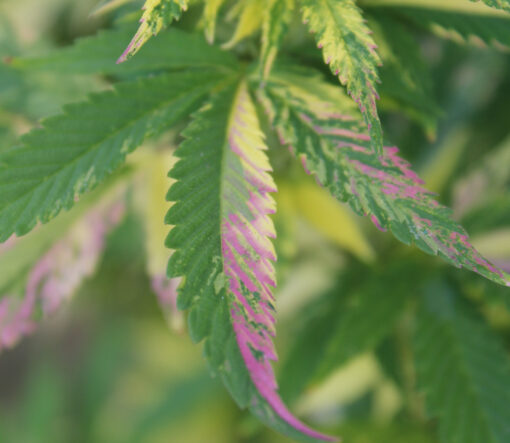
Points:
(321, 128)
(41, 271)
(349, 50)
(462, 370)
(351, 319)
(211, 10)
(276, 21)
(173, 49)
(223, 252)
(455, 19)
(75, 151)
(157, 15)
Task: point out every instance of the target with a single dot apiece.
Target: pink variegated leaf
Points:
(221, 237)
(350, 51)
(42, 270)
(323, 129)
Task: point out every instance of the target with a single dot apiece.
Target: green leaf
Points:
(157, 15)
(453, 19)
(349, 50)
(276, 22)
(484, 184)
(75, 151)
(223, 252)
(498, 4)
(211, 10)
(173, 49)
(462, 369)
(350, 320)
(405, 76)
(251, 16)
(322, 129)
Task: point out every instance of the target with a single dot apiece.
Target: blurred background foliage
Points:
(351, 300)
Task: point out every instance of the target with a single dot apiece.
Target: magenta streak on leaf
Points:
(384, 187)
(248, 254)
(58, 273)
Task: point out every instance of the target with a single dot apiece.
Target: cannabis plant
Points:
(291, 83)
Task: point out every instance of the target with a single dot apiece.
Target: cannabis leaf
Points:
(276, 22)
(173, 49)
(250, 19)
(453, 20)
(499, 4)
(462, 369)
(350, 319)
(75, 151)
(223, 252)
(41, 271)
(349, 50)
(157, 15)
(320, 127)
(210, 15)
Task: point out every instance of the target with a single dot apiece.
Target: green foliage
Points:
(350, 320)
(157, 15)
(172, 50)
(499, 4)
(263, 90)
(469, 27)
(349, 50)
(76, 150)
(313, 121)
(462, 369)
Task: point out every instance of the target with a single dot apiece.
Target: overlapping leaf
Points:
(76, 150)
(320, 127)
(349, 50)
(462, 369)
(222, 250)
(157, 15)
